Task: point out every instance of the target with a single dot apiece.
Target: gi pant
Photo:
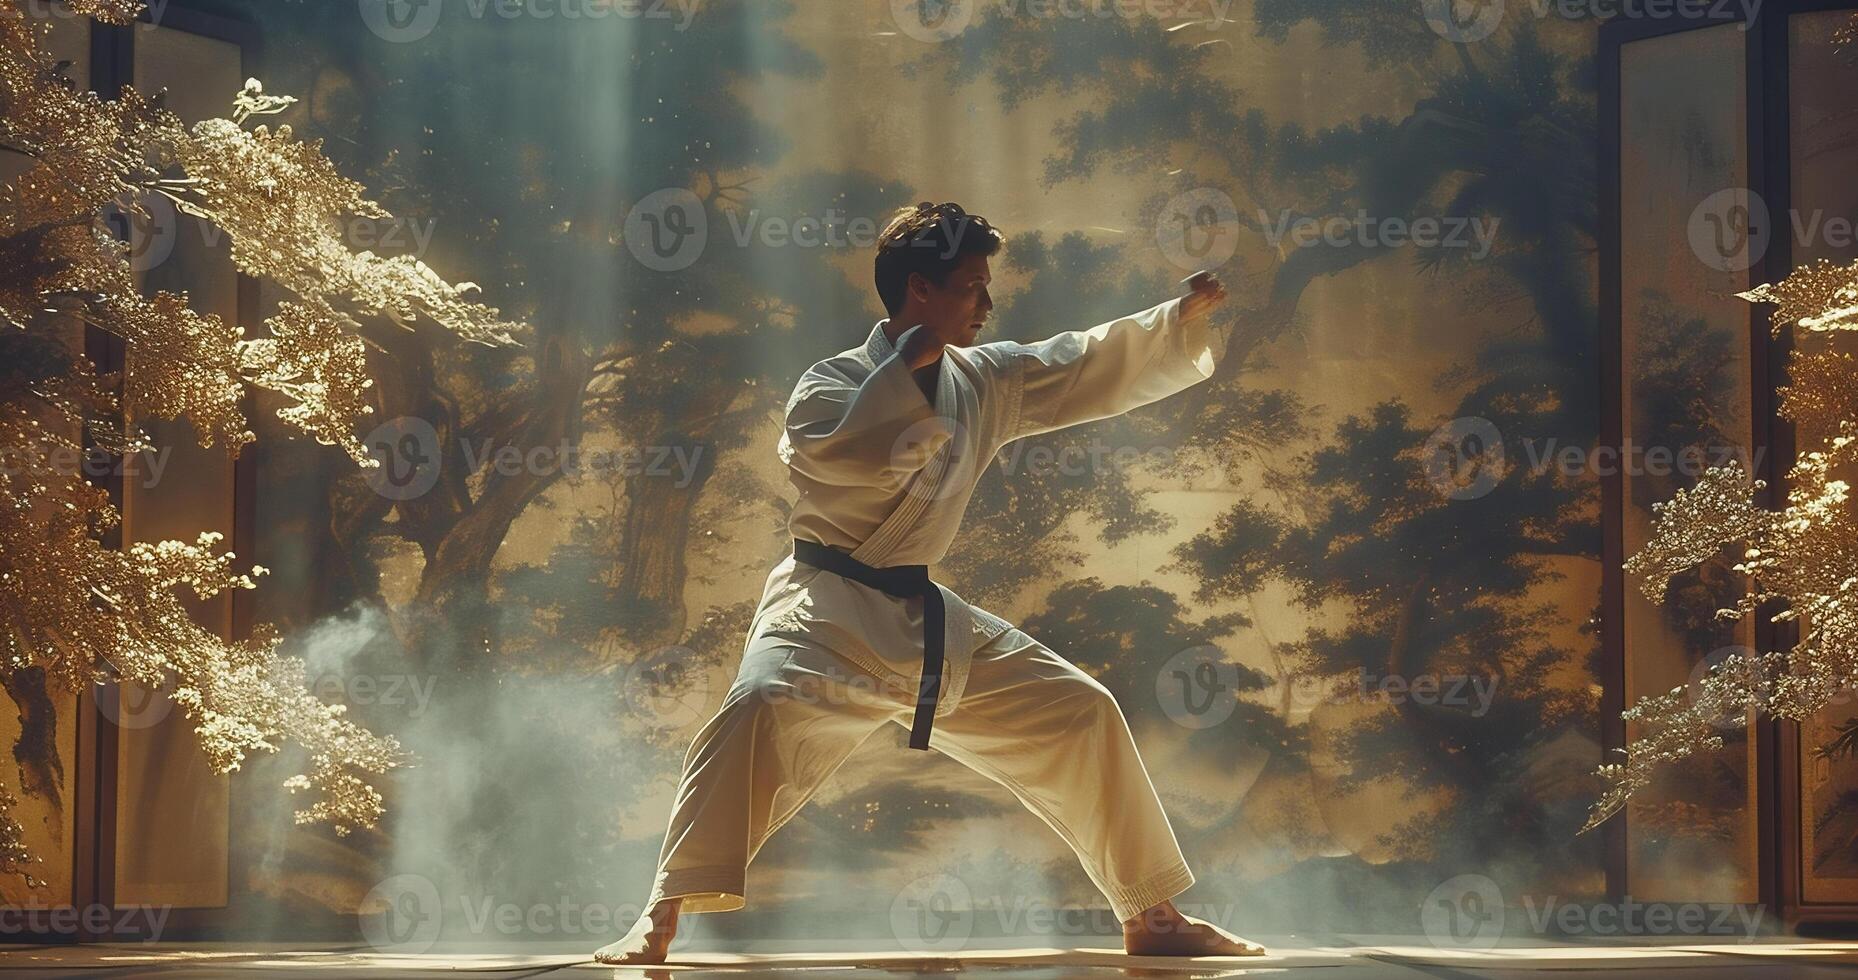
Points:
(1029, 720)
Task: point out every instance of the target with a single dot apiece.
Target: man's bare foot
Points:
(650, 938)
(1164, 931)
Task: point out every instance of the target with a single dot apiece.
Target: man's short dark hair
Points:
(929, 239)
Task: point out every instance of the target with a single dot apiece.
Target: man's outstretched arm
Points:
(874, 434)
(1084, 375)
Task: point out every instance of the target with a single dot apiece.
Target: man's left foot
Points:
(1165, 931)
(649, 942)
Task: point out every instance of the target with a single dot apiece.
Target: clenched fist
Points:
(1204, 295)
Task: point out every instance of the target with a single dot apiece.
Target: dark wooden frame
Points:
(1788, 845)
(1780, 884)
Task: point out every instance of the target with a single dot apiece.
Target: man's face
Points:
(956, 310)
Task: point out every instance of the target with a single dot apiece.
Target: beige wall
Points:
(172, 822)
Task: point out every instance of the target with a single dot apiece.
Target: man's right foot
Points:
(650, 938)
(1164, 930)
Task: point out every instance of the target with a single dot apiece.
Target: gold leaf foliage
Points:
(280, 204)
(320, 366)
(108, 11)
(1820, 298)
(15, 857)
(1804, 555)
(1845, 39)
(89, 614)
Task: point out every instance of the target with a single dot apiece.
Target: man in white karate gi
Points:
(885, 443)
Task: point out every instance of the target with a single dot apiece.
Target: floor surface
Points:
(1292, 958)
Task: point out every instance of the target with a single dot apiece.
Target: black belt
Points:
(901, 581)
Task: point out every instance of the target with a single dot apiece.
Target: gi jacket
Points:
(886, 475)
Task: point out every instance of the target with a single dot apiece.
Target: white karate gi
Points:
(885, 475)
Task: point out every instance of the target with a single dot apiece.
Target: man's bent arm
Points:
(1084, 375)
(875, 434)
